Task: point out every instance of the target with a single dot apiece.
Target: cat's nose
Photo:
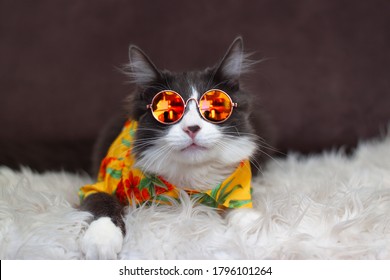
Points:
(192, 130)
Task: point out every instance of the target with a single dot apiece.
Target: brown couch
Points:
(325, 83)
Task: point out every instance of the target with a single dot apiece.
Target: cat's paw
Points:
(103, 240)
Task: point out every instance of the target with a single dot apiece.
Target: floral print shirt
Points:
(119, 177)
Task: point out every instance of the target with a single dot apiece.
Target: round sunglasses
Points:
(214, 106)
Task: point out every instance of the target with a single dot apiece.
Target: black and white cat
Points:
(192, 153)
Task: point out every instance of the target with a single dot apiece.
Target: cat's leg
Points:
(104, 237)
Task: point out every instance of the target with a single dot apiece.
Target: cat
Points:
(193, 152)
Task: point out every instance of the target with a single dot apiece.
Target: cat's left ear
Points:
(234, 63)
(141, 69)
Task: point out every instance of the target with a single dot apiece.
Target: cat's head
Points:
(192, 141)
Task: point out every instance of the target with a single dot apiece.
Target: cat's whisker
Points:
(262, 142)
(254, 162)
(153, 157)
(163, 159)
(158, 131)
(259, 150)
(162, 86)
(149, 139)
(271, 157)
(223, 147)
(164, 153)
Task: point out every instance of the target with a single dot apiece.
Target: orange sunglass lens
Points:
(167, 107)
(215, 106)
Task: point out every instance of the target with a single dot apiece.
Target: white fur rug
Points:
(327, 206)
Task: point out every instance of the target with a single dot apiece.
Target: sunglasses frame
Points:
(233, 105)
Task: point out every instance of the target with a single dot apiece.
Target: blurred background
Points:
(325, 82)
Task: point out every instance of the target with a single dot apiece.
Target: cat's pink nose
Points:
(192, 130)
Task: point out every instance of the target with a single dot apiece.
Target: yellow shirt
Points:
(119, 177)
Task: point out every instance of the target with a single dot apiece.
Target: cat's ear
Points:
(234, 63)
(141, 69)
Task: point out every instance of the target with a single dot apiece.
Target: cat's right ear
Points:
(234, 63)
(141, 69)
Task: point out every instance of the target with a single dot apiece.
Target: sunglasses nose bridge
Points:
(191, 99)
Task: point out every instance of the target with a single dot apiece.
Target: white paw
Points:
(103, 240)
(245, 219)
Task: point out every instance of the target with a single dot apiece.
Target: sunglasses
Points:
(214, 106)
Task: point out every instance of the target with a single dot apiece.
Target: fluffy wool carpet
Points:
(326, 206)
